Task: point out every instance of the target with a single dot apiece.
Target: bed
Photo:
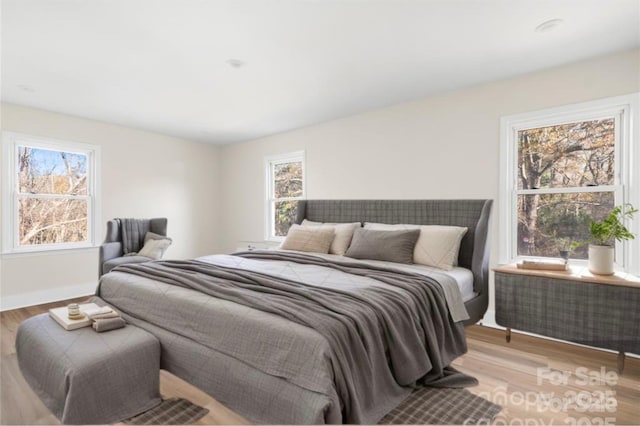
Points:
(275, 356)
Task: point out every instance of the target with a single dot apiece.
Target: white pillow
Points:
(153, 236)
(437, 246)
(344, 234)
(314, 239)
(155, 248)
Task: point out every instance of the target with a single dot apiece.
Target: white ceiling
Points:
(162, 65)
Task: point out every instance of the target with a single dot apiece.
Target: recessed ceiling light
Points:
(549, 25)
(235, 63)
(26, 88)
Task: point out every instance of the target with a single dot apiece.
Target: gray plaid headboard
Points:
(473, 214)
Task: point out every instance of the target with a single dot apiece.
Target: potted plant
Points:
(604, 234)
(564, 247)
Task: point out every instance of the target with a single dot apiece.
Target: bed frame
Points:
(472, 214)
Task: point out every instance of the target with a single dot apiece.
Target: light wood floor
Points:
(522, 376)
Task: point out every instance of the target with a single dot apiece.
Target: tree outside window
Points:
(566, 177)
(286, 187)
(49, 193)
(52, 196)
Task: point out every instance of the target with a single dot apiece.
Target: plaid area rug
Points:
(172, 411)
(442, 406)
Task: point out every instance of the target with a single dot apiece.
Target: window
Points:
(49, 194)
(285, 186)
(562, 168)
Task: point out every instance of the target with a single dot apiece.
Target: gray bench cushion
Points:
(86, 377)
(110, 264)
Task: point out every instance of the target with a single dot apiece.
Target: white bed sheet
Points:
(463, 277)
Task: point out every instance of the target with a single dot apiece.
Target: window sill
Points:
(274, 240)
(47, 252)
(257, 245)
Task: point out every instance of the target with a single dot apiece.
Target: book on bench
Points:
(61, 315)
(545, 265)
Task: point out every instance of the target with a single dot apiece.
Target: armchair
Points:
(114, 248)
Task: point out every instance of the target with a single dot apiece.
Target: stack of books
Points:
(100, 318)
(546, 265)
(61, 315)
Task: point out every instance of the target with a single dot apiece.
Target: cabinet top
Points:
(575, 273)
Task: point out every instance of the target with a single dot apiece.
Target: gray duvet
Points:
(357, 336)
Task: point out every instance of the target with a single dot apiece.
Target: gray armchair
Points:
(127, 236)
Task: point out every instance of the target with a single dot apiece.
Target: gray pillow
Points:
(392, 246)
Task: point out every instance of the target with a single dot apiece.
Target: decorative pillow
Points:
(154, 248)
(392, 246)
(314, 239)
(343, 231)
(153, 236)
(438, 246)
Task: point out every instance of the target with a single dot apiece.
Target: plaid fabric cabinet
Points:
(571, 305)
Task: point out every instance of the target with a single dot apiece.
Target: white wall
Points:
(143, 175)
(443, 146)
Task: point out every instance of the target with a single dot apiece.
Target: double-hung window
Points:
(285, 186)
(562, 168)
(50, 194)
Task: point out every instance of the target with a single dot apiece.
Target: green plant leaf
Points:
(611, 228)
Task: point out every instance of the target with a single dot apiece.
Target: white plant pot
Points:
(601, 260)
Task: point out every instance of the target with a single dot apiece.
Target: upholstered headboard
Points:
(473, 214)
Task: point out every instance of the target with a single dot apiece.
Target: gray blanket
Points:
(383, 338)
(133, 232)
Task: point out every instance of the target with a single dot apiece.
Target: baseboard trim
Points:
(46, 296)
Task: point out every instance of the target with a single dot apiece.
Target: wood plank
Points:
(575, 273)
(19, 404)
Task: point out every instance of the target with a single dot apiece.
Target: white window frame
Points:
(270, 163)
(627, 174)
(10, 219)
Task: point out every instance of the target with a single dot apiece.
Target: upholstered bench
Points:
(88, 377)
